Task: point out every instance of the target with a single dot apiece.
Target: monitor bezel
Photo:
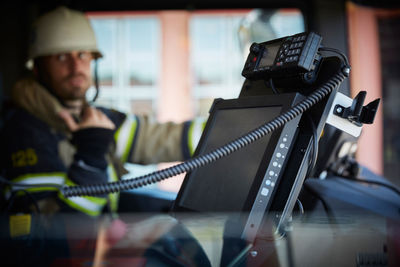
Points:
(285, 101)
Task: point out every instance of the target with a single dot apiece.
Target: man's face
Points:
(67, 74)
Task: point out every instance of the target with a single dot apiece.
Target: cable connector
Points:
(346, 71)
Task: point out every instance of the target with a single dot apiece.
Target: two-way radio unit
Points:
(283, 58)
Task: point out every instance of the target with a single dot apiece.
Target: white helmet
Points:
(61, 30)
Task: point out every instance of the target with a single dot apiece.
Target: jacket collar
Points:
(34, 98)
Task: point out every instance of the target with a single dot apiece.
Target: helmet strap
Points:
(96, 81)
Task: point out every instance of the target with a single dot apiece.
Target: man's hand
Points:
(91, 118)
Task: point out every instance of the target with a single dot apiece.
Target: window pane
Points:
(105, 30)
(130, 67)
(209, 36)
(143, 57)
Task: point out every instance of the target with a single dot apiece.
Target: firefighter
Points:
(54, 135)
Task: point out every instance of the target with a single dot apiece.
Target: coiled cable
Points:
(201, 160)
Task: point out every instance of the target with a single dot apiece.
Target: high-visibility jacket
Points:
(37, 148)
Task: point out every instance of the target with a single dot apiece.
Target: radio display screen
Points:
(269, 54)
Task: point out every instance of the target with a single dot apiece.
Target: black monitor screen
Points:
(224, 185)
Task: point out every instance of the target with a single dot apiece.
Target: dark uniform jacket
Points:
(37, 148)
